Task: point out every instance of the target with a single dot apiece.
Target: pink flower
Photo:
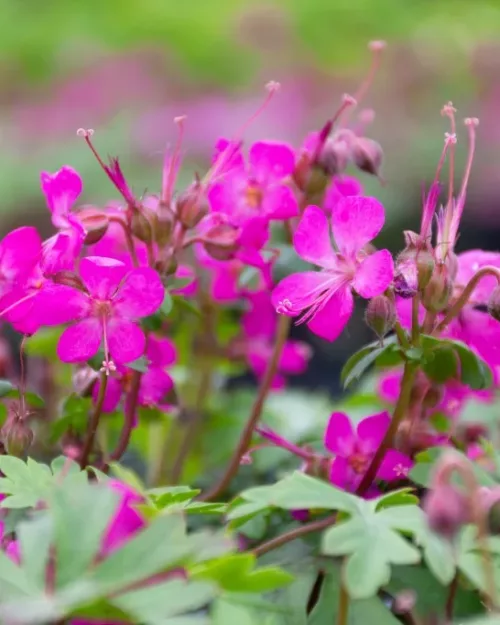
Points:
(61, 190)
(256, 191)
(324, 299)
(354, 450)
(259, 327)
(106, 311)
(468, 265)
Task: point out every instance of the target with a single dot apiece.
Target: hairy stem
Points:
(343, 606)
(454, 311)
(246, 436)
(293, 534)
(128, 425)
(94, 421)
(191, 429)
(450, 600)
(401, 334)
(399, 414)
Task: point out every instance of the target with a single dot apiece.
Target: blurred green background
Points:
(127, 68)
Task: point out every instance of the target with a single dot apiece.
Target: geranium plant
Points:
(142, 483)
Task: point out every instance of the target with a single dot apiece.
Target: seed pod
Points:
(221, 241)
(17, 437)
(437, 293)
(380, 315)
(192, 206)
(367, 155)
(447, 510)
(141, 224)
(334, 156)
(95, 224)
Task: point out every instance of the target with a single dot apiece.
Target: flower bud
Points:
(334, 156)
(162, 221)
(192, 206)
(95, 224)
(141, 224)
(220, 241)
(380, 315)
(447, 510)
(418, 255)
(405, 280)
(367, 155)
(437, 293)
(494, 303)
(166, 267)
(17, 437)
(433, 396)
(69, 278)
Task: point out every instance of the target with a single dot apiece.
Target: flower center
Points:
(358, 462)
(102, 308)
(253, 195)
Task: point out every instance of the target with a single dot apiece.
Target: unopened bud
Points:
(416, 253)
(141, 224)
(494, 303)
(95, 224)
(192, 206)
(380, 315)
(69, 278)
(335, 155)
(447, 510)
(167, 267)
(17, 437)
(163, 226)
(406, 279)
(367, 155)
(221, 241)
(437, 293)
(432, 396)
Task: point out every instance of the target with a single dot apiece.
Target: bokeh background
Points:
(126, 68)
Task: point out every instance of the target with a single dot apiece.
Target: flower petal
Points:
(312, 238)
(395, 466)
(299, 291)
(280, 203)
(339, 188)
(271, 160)
(331, 320)
(340, 472)
(356, 220)
(339, 435)
(161, 352)
(126, 340)
(371, 430)
(20, 250)
(61, 190)
(374, 274)
(57, 304)
(261, 319)
(101, 275)
(140, 295)
(155, 385)
(80, 342)
(295, 357)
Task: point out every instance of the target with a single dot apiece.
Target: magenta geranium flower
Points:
(324, 299)
(106, 312)
(354, 450)
(257, 190)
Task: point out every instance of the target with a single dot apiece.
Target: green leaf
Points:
(161, 603)
(167, 304)
(370, 542)
(474, 372)
(161, 545)
(359, 362)
(35, 538)
(126, 475)
(28, 483)
(441, 365)
(84, 512)
(235, 573)
(361, 611)
(401, 497)
(5, 387)
(140, 365)
(300, 491)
